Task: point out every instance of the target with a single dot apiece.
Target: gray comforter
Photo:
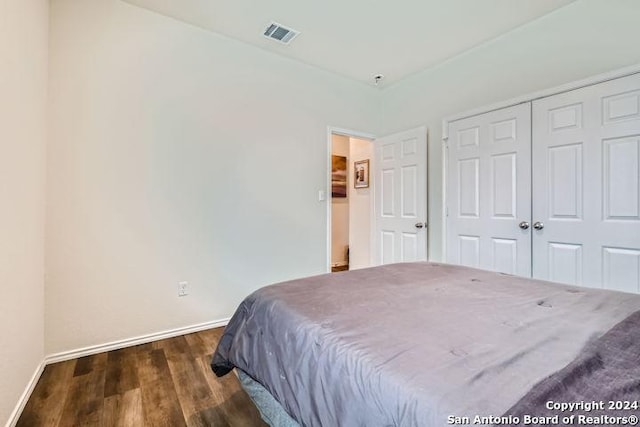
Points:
(411, 344)
(605, 376)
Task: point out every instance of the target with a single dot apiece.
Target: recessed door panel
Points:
(504, 185)
(505, 255)
(388, 249)
(504, 131)
(409, 147)
(468, 137)
(409, 247)
(565, 263)
(621, 269)
(469, 251)
(623, 106)
(469, 187)
(409, 194)
(388, 192)
(388, 152)
(565, 118)
(621, 166)
(565, 181)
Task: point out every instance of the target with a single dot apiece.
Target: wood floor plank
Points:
(122, 373)
(124, 410)
(198, 345)
(143, 347)
(208, 417)
(210, 338)
(174, 347)
(45, 406)
(234, 403)
(159, 399)
(191, 386)
(85, 401)
(83, 366)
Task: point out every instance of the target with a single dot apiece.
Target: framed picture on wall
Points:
(338, 176)
(361, 174)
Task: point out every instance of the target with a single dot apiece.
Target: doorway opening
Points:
(350, 209)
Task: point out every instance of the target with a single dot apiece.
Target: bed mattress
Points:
(411, 344)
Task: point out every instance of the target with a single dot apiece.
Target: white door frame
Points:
(589, 81)
(332, 130)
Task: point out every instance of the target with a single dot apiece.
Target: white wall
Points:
(359, 208)
(582, 39)
(340, 207)
(173, 157)
(23, 94)
(176, 154)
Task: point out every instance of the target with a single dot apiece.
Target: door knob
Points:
(524, 225)
(420, 224)
(538, 225)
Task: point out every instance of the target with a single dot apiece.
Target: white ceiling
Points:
(361, 38)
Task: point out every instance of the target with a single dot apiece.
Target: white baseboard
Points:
(26, 394)
(129, 342)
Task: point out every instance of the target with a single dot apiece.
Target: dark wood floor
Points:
(164, 383)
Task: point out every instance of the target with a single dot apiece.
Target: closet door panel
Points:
(586, 186)
(488, 191)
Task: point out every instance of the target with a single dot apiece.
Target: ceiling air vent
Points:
(279, 33)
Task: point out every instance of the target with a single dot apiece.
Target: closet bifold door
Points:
(586, 186)
(489, 191)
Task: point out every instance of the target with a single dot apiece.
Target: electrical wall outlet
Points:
(183, 289)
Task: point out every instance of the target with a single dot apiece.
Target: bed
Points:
(429, 344)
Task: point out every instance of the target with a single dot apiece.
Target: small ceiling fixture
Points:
(377, 79)
(280, 33)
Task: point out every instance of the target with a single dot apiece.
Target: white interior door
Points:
(400, 171)
(489, 191)
(586, 193)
